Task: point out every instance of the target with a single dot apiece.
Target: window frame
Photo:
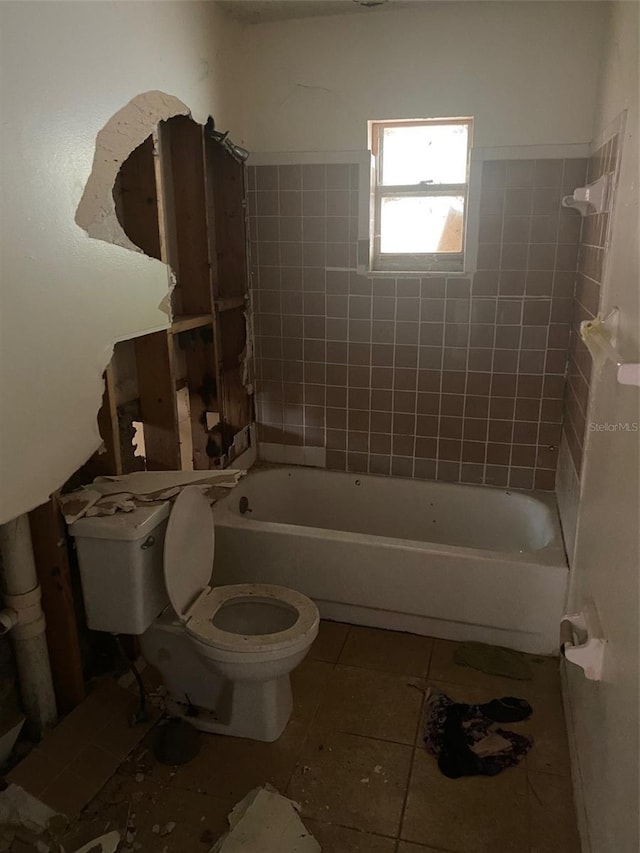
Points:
(405, 262)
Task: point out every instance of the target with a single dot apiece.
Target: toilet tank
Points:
(120, 559)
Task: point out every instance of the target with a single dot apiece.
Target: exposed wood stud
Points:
(48, 535)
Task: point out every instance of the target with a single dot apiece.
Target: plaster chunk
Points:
(122, 134)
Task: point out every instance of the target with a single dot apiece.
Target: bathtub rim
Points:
(553, 554)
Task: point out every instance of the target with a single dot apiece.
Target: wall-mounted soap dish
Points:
(592, 198)
(580, 644)
(599, 336)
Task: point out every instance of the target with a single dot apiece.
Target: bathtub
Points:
(450, 561)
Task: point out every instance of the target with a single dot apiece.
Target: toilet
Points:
(225, 653)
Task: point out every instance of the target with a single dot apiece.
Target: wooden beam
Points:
(184, 140)
(156, 383)
(186, 322)
(226, 211)
(48, 533)
(108, 426)
(202, 383)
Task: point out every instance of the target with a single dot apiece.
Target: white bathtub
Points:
(450, 561)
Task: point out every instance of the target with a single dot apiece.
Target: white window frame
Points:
(435, 262)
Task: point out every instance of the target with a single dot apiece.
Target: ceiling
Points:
(257, 11)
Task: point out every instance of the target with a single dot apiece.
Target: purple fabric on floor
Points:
(452, 728)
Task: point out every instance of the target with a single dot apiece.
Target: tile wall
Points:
(457, 379)
(591, 258)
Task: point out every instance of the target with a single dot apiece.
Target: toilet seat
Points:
(188, 565)
(189, 546)
(200, 621)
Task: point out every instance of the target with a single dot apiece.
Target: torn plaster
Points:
(123, 133)
(66, 298)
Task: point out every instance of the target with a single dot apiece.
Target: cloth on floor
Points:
(467, 741)
(493, 660)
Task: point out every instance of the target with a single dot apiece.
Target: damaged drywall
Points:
(124, 132)
(66, 293)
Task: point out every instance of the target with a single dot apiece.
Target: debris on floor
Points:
(107, 843)
(100, 835)
(27, 824)
(18, 807)
(494, 660)
(266, 821)
(465, 738)
(176, 742)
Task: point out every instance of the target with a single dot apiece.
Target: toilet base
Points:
(259, 710)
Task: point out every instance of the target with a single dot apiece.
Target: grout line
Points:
(407, 787)
(344, 643)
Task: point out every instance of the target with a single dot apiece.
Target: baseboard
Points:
(576, 774)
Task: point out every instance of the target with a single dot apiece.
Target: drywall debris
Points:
(107, 843)
(152, 483)
(75, 504)
(168, 828)
(18, 807)
(123, 133)
(266, 821)
(125, 493)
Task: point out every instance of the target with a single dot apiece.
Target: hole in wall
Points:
(138, 439)
(148, 193)
(135, 198)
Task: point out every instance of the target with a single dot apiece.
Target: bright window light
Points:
(420, 194)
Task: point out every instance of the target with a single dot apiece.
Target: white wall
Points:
(527, 71)
(606, 568)
(67, 68)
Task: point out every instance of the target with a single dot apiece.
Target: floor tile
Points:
(553, 820)
(308, 685)
(545, 673)
(339, 839)
(547, 727)
(94, 765)
(77, 758)
(68, 793)
(199, 819)
(469, 815)
(347, 756)
(389, 651)
(352, 781)
(329, 642)
(229, 767)
(373, 704)
(35, 772)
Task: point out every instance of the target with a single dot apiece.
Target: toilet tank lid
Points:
(126, 526)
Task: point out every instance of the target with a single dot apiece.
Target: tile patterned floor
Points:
(352, 756)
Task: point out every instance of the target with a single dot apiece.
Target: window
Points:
(419, 194)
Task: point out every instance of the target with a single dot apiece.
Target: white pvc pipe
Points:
(29, 640)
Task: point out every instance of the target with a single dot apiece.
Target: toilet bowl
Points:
(225, 653)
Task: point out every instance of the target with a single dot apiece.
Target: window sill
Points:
(370, 273)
